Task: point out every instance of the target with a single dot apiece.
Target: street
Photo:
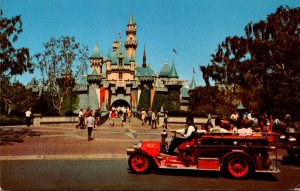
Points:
(114, 175)
(61, 158)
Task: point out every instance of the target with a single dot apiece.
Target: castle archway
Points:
(120, 102)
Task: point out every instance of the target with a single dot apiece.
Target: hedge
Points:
(5, 121)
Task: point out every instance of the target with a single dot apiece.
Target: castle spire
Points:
(130, 19)
(193, 84)
(144, 58)
(173, 71)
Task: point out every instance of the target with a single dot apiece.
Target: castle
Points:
(118, 80)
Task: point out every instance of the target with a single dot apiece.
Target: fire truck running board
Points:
(186, 168)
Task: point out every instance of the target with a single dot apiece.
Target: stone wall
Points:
(57, 120)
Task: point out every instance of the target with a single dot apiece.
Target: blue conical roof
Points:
(193, 84)
(120, 53)
(165, 70)
(96, 52)
(184, 92)
(240, 106)
(173, 72)
(82, 80)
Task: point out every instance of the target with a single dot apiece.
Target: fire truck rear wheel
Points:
(237, 166)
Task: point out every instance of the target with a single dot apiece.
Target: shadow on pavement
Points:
(9, 136)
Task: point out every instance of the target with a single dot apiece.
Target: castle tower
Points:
(115, 45)
(96, 60)
(131, 43)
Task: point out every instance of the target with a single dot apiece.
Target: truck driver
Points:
(182, 135)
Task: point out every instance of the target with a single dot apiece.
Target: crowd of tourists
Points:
(122, 112)
(151, 116)
(247, 123)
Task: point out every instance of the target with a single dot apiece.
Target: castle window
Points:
(120, 61)
(120, 76)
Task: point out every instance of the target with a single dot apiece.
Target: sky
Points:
(194, 28)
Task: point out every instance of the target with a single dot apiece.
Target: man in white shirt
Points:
(217, 128)
(81, 119)
(183, 134)
(90, 123)
(28, 115)
(233, 119)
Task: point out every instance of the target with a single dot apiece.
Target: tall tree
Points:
(62, 61)
(266, 61)
(13, 60)
(15, 97)
(144, 100)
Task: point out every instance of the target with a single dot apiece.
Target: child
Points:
(122, 118)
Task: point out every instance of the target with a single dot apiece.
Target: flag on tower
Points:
(193, 70)
(174, 51)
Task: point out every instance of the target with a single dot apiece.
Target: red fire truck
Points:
(238, 156)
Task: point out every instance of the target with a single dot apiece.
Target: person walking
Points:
(143, 116)
(98, 117)
(153, 119)
(90, 123)
(165, 124)
(28, 116)
(149, 116)
(122, 117)
(129, 113)
(113, 116)
(80, 119)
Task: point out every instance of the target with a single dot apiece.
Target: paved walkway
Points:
(66, 142)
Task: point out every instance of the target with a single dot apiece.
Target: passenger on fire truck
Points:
(182, 135)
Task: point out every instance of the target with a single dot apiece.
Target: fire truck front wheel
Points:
(237, 166)
(139, 163)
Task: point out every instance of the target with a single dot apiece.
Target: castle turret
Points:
(173, 71)
(131, 42)
(115, 45)
(96, 60)
(193, 84)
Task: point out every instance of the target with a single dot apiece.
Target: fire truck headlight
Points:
(282, 137)
(138, 145)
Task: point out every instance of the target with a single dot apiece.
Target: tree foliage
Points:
(62, 61)
(15, 98)
(173, 101)
(160, 99)
(144, 101)
(265, 62)
(213, 100)
(13, 60)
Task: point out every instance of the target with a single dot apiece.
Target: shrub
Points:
(5, 121)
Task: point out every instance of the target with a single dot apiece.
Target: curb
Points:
(59, 157)
(80, 157)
